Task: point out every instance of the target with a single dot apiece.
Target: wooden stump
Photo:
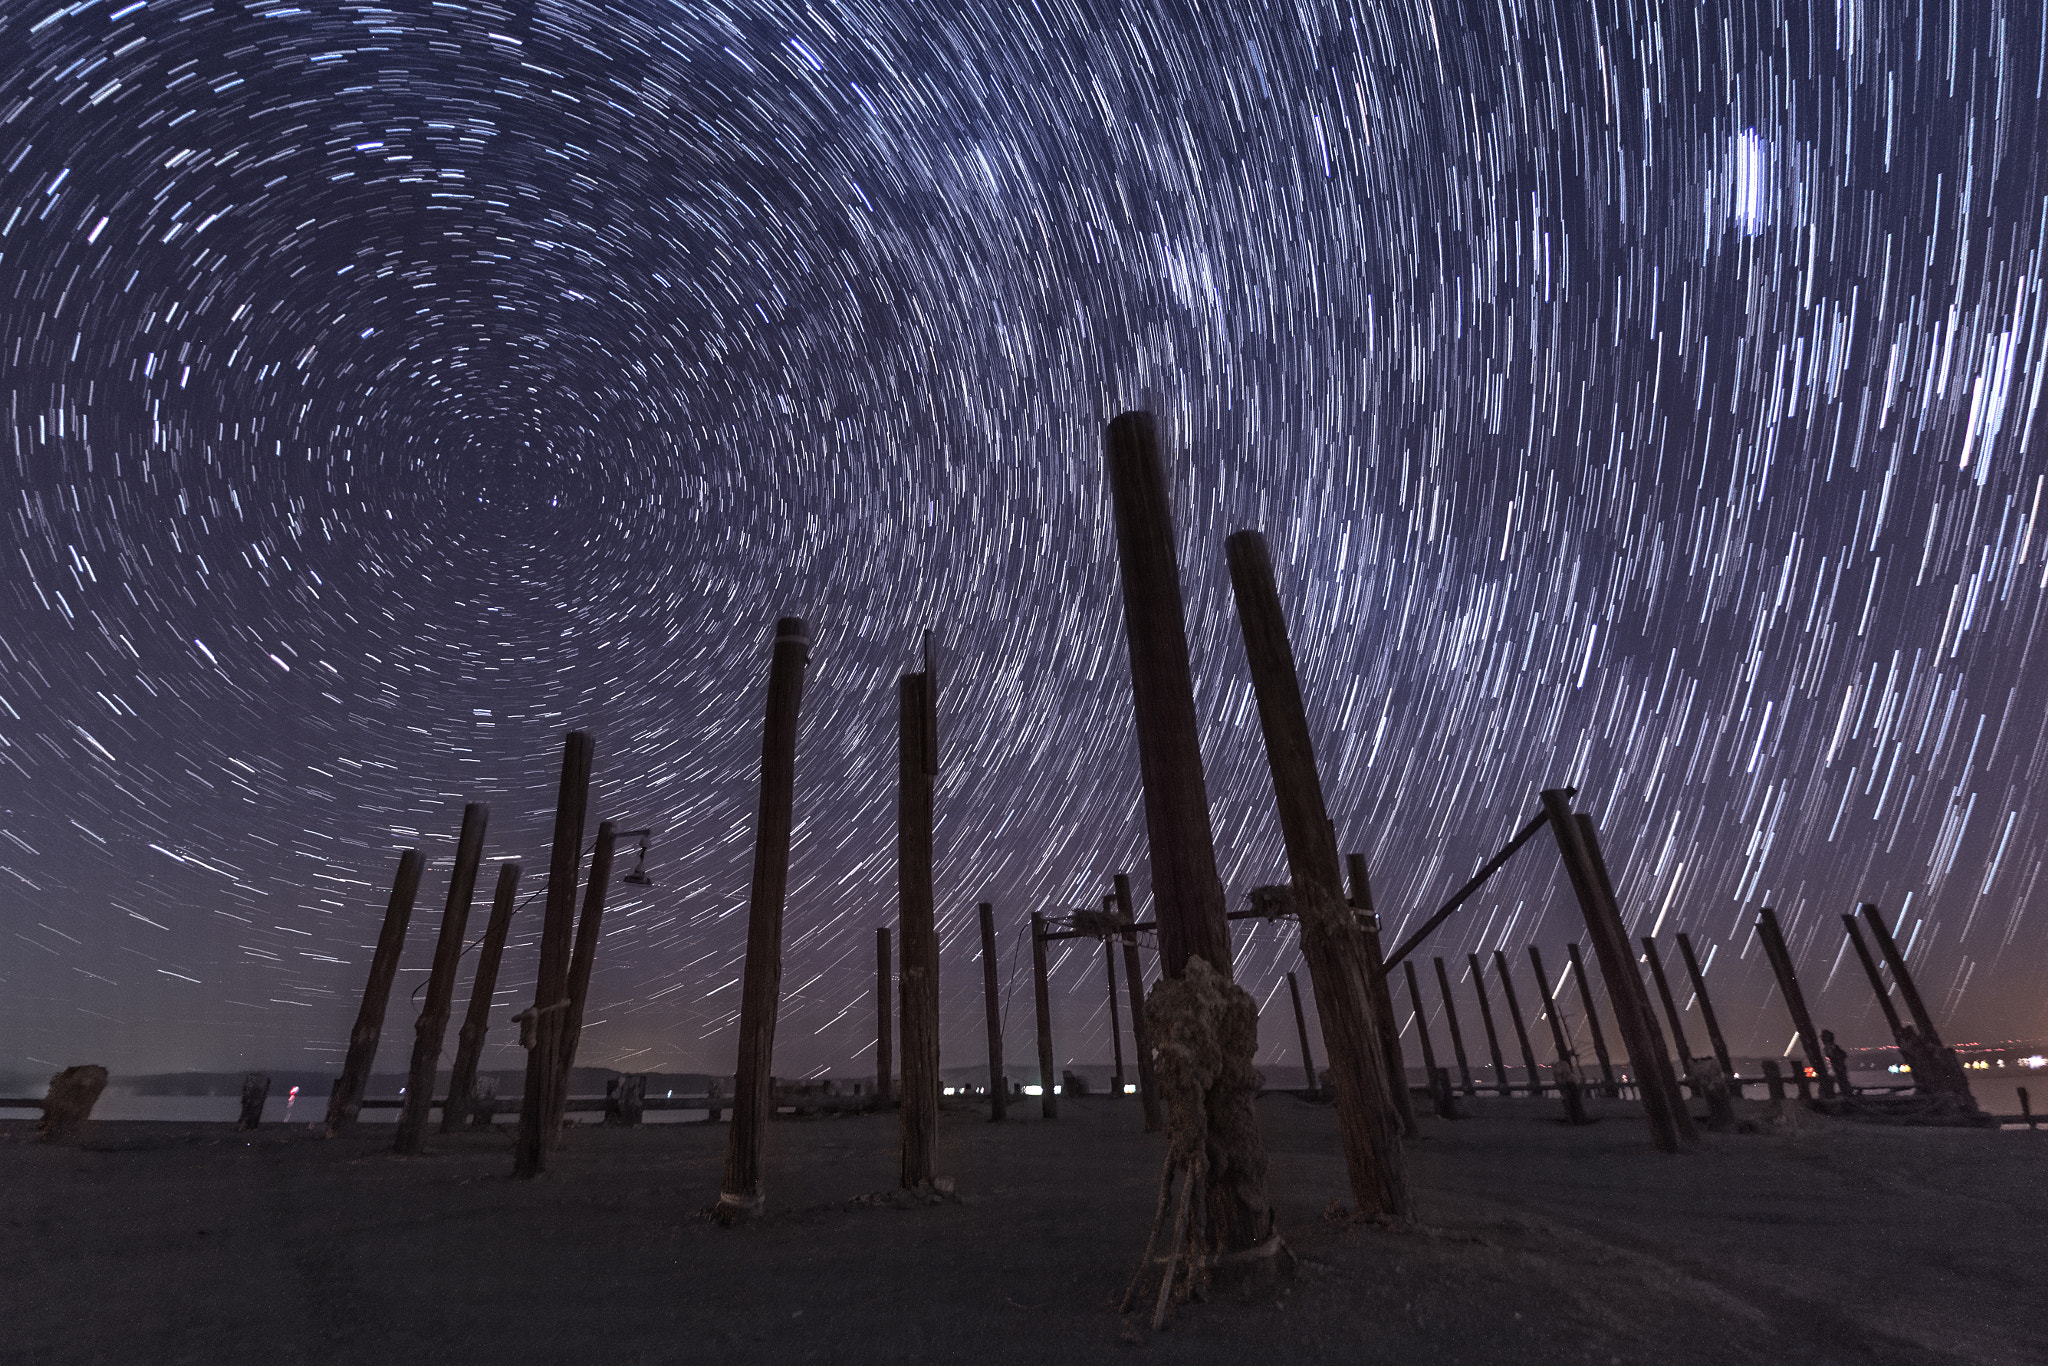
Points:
(432, 1026)
(68, 1103)
(1048, 1100)
(476, 1021)
(255, 1092)
(545, 1074)
(1710, 1084)
(1116, 1028)
(625, 1101)
(885, 1016)
(581, 960)
(346, 1099)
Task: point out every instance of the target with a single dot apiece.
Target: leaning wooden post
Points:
(1884, 998)
(885, 1016)
(1795, 999)
(1116, 1025)
(1381, 994)
(542, 1027)
(1607, 1079)
(432, 1027)
(346, 1099)
(742, 1194)
(1134, 982)
(1443, 984)
(998, 1085)
(581, 960)
(1330, 941)
(476, 1021)
(1048, 1099)
(1713, 1023)
(256, 1090)
(1624, 986)
(1439, 1093)
(1551, 1013)
(1507, 988)
(1908, 989)
(1678, 1039)
(917, 941)
(1500, 1067)
(1194, 936)
(1308, 1060)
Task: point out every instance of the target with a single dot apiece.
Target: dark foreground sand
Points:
(1835, 1242)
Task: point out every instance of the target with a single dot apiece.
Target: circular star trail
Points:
(1641, 398)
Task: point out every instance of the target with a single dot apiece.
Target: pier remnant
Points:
(67, 1105)
(992, 1005)
(1134, 982)
(1795, 1002)
(1500, 1067)
(581, 959)
(431, 1029)
(1048, 1094)
(541, 1025)
(917, 941)
(1671, 1013)
(1507, 990)
(476, 1020)
(345, 1101)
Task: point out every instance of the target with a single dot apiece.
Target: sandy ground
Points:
(1835, 1242)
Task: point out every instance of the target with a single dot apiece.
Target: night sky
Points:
(1645, 398)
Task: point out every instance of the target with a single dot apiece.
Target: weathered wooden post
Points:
(625, 1101)
(1624, 986)
(1443, 985)
(1439, 1090)
(1550, 1010)
(1308, 1060)
(1116, 1026)
(1366, 1115)
(1380, 994)
(542, 1026)
(1666, 1074)
(1774, 1083)
(255, 1091)
(1610, 1086)
(588, 929)
(1713, 1022)
(917, 940)
(476, 1021)
(1134, 982)
(1884, 997)
(1908, 989)
(1795, 1000)
(346, 1099)
(742, 1195)
(885, 1017)
(1197, 995)
(432, 1027)
(1048, 1099)
(1500, 1067)
(998, 1085)
(1507, 989)
(1678, 1039)
(67, 1105)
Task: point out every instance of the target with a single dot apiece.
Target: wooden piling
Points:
(346, 1099)
(1551, 1013)
(1134, 982)
(476, 1021)
(885, 1017)
(67, 1105)
(432, 1027)
(1439, 1092)
(917, 939)
(544, 1075)
(1713, 1021)
(1625, 993)
(1380, 993)
(1795, 999)
(742, 1195)
(1443, 984)
(1877, 987)
(1507, 989)
(1500, 1067)
(1903, 977)
(1048, 1099)
(255, 1091)
(1116, 1025)
(1609, 1085)
(1678, 1039)
(581, 960)
(992, 1004)
(1663, 1069)
(1367, 1117)
(1308, 1060)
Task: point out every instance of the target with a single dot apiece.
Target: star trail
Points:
(1643, 398)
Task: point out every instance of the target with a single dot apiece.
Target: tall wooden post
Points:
(1550, 1010)
(998, 1085)
(1507, 989)
(1624, 986)
(1330, 941)
(1666, 1074)
(743, 1193)
(1795, 999)
(1500, 1067)
(1048, 1099)
(346, 1099)
(1380, 993)
(1185, 887)
(581, 960)
(885, 1016)
(432, 1027)
(1308, 1059)
(1134, 982)
(1713, 1022)
(1421, 1023)
(1908, 989)
(1608, 1083)
(1884, 998)
(1443, 984)
(1116, 1026)
(544, 1025)
(476, 1021)
(917, 940)
(1678, 1039)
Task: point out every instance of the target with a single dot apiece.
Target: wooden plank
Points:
(476, 1021)
(1678, 1039)
(992, 1008)
(1116, 1025)
(1048, 1098)
(1500, 1067)
(1876, 979)
(542, 1030)
(346, 1099)
(581, 960)
(1308, 1059)
(431, 1030)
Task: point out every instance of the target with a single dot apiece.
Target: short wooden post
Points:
(885, 1017)
(346, 1099)
(1795, 1000)
(1507, 989)
(626, 1101)
(2026, 1106)
(1624, 986)
(998, 1086)
(1678, 1039)
(67, 1105)
(1443, 985)
(743, 1194)
(1048, 1098)
(1500, 1067)
(543, 1023)
(1774, 1082)
(255, 1091)
(1308, 1061)
(917, 941)
(1380, 993)
(1367, 1117)
(581, 960)
(431, 1029)
(1116, 1025)
(1877, 987)
(1710, 1083)
(1713, 1022)
(476, 1021)
(1134, 982)
(1439, 1094)
(1663, 1071)
(1610, 1086)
